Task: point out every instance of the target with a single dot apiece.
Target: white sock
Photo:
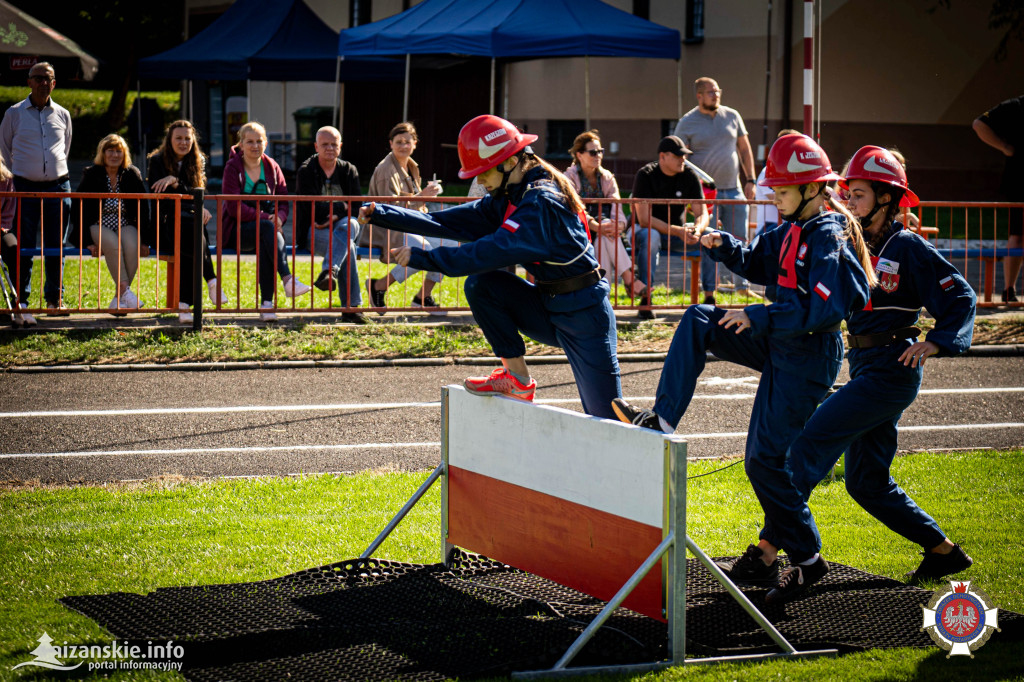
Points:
(665, 426)
(811, 560)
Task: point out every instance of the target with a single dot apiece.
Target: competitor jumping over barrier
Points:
(531, 217)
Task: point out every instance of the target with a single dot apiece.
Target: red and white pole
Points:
(808, 67)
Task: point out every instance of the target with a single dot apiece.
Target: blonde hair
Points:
(113, 141)
(252, 127)
(5, 173)
(854, 234)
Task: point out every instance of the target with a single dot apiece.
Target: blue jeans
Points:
(51, 221)
(331, 244)
(860, 420)
(506, 306)
(647, 251)
(734, 221)
(795, 376)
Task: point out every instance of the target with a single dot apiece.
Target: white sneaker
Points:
(271, 315)
(216, 295)
(184, 313)
(116, 306)
(294, 287)
(26, 318)
(130, 300)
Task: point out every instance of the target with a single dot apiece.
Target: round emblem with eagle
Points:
(960, 619)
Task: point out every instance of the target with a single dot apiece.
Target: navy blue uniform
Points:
(860, 419)
(533, 227)
(794, 343)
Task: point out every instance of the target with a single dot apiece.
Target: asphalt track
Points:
(91, 427)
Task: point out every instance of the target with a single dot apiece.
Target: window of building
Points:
(694, 21)
(560, 135)
(360, 12)
(642, 9)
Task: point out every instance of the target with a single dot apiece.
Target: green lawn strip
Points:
(137, 537)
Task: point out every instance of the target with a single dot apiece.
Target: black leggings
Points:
(186, 272)
(9, 253)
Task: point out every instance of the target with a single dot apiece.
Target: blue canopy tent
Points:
(266, 40)
(513, 29)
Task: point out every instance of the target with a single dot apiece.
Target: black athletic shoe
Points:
(1009, 295)
(749, 568)
(323, 282)
(354, 318)
(936, 566)
(635, 416)
(376, 296)
(796, 580)
(645, 314)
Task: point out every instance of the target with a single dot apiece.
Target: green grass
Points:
(138, 537)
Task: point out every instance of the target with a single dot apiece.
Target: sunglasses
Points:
(594, 152)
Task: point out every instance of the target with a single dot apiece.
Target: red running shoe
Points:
(501, 382)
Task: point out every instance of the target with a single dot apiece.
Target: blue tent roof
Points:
(513, 29)
(264, 40)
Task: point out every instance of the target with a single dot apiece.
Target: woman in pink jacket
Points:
(250, 171)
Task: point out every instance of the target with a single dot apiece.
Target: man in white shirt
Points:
(35, 139)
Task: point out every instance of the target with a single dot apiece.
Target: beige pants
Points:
(122, 262)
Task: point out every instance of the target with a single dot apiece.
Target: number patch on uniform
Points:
(787, 258)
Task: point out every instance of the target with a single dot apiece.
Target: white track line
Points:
(379, 446)
(320, 407)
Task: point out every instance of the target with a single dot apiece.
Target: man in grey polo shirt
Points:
(721, 148)
(35, 138)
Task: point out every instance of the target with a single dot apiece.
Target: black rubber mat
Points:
(372, 619)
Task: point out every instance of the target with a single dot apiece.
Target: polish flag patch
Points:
(946, 282)
(822, 291)
(510, 225)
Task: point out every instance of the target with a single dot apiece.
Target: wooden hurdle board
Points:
(576, 499)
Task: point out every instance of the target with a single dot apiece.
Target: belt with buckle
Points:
(881, 338)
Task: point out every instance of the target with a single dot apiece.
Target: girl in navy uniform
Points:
(531, 217)
(886, 362)
(820, 263)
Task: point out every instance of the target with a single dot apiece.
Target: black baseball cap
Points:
(673, 144)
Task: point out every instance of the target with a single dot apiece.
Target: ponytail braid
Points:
(854, 234)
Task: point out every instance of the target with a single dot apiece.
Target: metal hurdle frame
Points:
(673, 570)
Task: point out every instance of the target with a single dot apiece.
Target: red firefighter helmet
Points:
(486, 141)
(796, 159)
(879, 165)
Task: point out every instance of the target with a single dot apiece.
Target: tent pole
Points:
(679, 88)
(284, 109)
(141, 151)
(337, 80)
(586, 88)
(405, 99)
(248, 100)
(491, 109)
(504, 87)
(191, 112)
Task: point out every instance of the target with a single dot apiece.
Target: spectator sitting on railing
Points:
(606, 221)
(9, 251)
(110, 227)
(666, 178)
(333, 232)
(250, 171)
(178, 166)
(399, 176)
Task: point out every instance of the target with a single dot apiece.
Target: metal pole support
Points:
(198, 246)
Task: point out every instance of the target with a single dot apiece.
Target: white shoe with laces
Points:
(130, 300)
(216, 295)
(184, 313)
(268, 316)
(293, 287)
(26, 318)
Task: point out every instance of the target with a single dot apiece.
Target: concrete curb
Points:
(1004, 351)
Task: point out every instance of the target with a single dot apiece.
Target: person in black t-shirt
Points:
(1002, 127)
(666, 178)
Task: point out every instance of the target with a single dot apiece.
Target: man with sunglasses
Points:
(35, 139)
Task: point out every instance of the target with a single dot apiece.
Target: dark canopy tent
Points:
(24, 35)
(512, 29)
